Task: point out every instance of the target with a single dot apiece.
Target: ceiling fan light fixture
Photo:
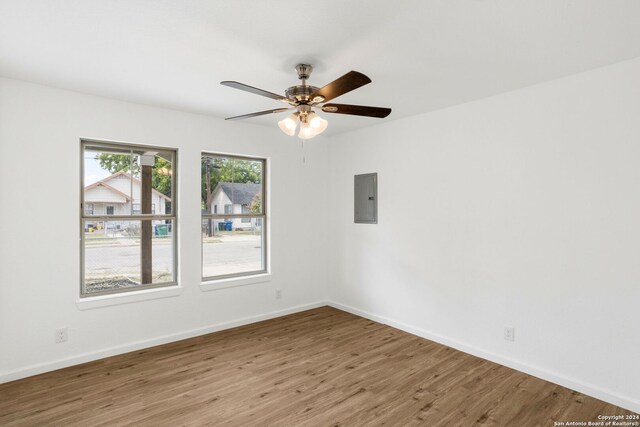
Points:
(289, 124)
(314, 120)
(306, 131)
(317, 123)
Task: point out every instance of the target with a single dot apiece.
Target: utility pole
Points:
(207, 168)
(146, 236)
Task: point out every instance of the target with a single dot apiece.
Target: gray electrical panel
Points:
(366, 198)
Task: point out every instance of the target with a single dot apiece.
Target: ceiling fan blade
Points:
(357, 110)
(260, 113)
(350, 81)
(254, 90)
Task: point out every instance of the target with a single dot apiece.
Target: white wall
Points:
(40, 128)
(525, 212)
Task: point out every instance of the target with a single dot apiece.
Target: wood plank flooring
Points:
(321, 367)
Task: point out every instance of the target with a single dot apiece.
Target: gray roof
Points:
(240, 193)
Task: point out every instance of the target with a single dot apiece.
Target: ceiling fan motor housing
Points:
(300, 93)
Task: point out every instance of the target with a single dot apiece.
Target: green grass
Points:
(238, 232)
(91, 239)
(96, 235)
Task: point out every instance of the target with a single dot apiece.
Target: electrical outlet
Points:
(509, 333)
(278, 293)
(61, 335)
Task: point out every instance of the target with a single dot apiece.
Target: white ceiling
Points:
(421, 55)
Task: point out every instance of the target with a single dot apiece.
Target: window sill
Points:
(214, 285)
(127, 297)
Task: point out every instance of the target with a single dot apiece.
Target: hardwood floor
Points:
(322, 367)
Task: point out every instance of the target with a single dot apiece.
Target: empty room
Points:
(336, 213)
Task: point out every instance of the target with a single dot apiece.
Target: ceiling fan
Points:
(305, 99)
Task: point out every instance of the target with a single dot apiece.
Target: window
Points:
(126, 245)
(233, 241)
(246, 210)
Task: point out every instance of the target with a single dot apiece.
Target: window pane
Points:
(162, 243)
(107, 181)
(232, 246)
(113, 254)
(113, 180)
(161, 182)
(161, 165)
(229, 183)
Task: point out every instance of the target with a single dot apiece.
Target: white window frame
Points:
(131, 217)
(245, 277)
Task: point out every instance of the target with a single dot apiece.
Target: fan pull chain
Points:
(302, 148)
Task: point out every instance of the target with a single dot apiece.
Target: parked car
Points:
(90, 227)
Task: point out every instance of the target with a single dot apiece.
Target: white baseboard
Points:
(139, 345)
(554, 377)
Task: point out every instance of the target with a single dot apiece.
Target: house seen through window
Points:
(233, 216)
(128, 218)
